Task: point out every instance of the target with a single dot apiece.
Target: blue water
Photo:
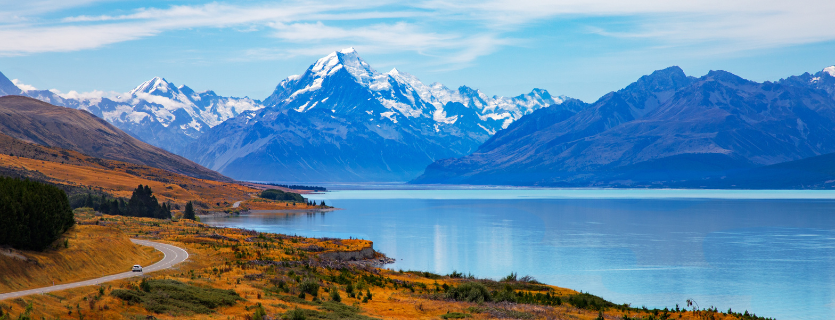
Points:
(769, 252)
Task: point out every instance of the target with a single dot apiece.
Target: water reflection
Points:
(776, 257)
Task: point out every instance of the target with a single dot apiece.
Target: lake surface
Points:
(769, 252)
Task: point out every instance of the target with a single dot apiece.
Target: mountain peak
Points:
(830, 70)
(347, 59)
(726, 77)
(7, 87)
(160, 85)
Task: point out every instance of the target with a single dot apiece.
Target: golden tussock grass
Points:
(119, 179)
(92, 252)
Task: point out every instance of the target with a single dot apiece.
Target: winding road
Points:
(173, 256)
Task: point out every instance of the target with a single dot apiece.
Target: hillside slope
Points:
(45, 124)
(79, 173)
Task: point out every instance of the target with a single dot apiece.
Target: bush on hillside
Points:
(469, 292)
(174, 297)
(32, 214)
(275, 194)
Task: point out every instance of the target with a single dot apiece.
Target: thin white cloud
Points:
(744, 24)
(23, 86)
(424, 26)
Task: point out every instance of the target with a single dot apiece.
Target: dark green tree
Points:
(189, 212)
(32, 214)
(143, 203)
(114, 208)
(275, 194)
(89, 202)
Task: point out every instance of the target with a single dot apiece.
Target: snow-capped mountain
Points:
(341, 120)
(401, 95)
(157, 111)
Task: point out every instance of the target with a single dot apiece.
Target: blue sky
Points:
(578, 48)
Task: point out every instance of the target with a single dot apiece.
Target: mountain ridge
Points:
(717, 121)
(38, 122)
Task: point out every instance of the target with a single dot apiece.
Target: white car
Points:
(137, 268)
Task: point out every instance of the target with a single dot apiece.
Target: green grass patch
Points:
(455, 315)
(177, 298)
(589, 302)
(328, 310)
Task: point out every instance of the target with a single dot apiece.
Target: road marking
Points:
(166, 249)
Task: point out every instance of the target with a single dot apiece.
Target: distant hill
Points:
(38, 122)
(811, 173)
(78, 173)
(666, 129)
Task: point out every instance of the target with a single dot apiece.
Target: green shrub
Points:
(335, 295)
(295, 314)
(469, 292)
(260, 313)
(589, 301)
(455, 315)
(510, 278)
(310, 287)
(174, 297)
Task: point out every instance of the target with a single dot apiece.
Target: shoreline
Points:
(220, 214)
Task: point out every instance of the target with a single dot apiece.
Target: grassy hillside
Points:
(79, 173)
(38, 122)
(91, 251)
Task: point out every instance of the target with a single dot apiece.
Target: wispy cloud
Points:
(23, 86)
(423, 26)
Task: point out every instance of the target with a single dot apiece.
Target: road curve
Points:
(173, 256)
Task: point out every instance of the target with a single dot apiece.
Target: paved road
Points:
(173, 255)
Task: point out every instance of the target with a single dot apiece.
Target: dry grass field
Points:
(92, 251)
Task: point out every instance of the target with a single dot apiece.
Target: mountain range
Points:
(343, 121)
(666, 129)
(340, 120)
(156, 111)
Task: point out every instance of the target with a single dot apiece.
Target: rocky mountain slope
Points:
(38, 122)
(341, 120)
(156, 111)
(665, 129)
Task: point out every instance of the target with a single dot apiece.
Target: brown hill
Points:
(35, 121)
(77, 171)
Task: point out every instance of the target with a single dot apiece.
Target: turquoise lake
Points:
(769, 252)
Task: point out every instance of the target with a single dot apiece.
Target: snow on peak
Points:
(152, 85)
(394, 71)
(347, 59)
(830, 70)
